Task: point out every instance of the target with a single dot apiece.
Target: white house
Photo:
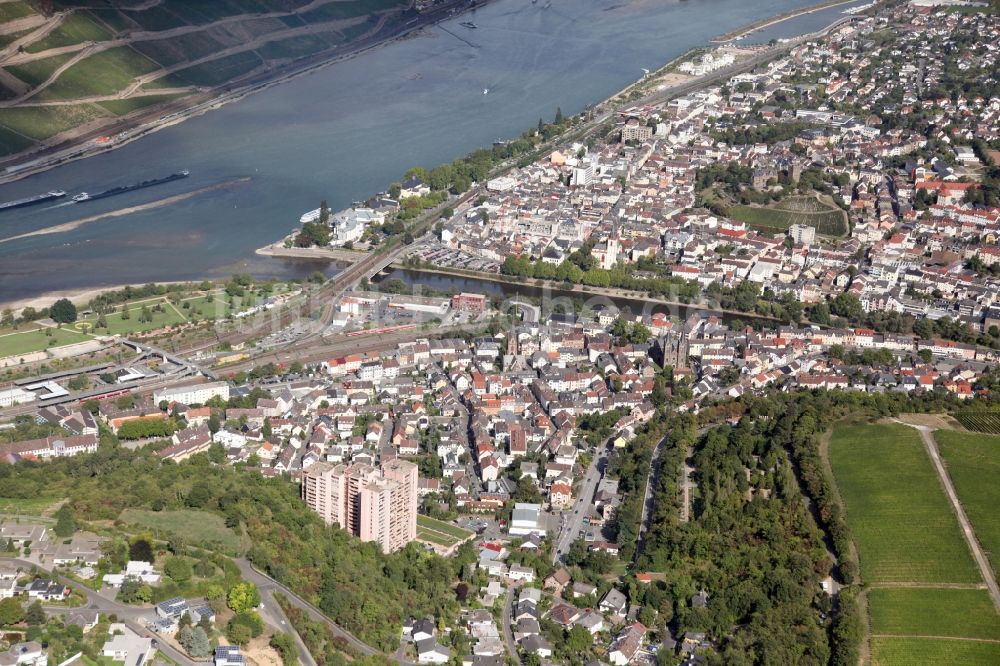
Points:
(429, 651)
(517, 572)
(24, 654)
(47, 590)
(192, 394)
(525, 520)
(136, 569)
(127, 646)
(349, 225)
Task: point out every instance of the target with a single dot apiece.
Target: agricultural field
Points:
(77, 28)
(826, 218)
(169, 52)
(260, 27)
(194, 526)
(922, 651)
(217, 72)
(42, 122)
(959, 613)
(896, 509)
(11, 142)
(154, 19)
(339, 9)
(440, 532)
(14, 10)
(103, 73)
(979, 420)
(122, 107)
(973, 462)
(293, 47)
(36, 72)
(12, 37)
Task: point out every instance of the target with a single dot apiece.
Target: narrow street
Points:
(574, 520)
(505, 621)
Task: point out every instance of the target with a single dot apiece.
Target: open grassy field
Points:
(924, 651)
(902, 524)
(31, 506)
(190, 306)
(103, 73)
(168, 316)
(76, 28)
(216, 308)
(973, 462)
(439, 532)
(26, 342)
(194, 526)
(828, 220)
(424, 534)
(441, 526)
(933, 612)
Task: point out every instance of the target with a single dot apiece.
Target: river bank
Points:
(79, 297)
(312, 253)
(344, 132)
(80, 144)
(551, 289)
(742, 32)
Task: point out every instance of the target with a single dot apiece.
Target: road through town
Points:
(570, 529)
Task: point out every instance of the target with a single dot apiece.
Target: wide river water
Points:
(348, 130)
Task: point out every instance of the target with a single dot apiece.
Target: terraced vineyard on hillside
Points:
(97, 64)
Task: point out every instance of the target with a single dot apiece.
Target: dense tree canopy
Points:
(366, 591)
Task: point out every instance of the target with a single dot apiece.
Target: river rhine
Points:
(347, 131)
